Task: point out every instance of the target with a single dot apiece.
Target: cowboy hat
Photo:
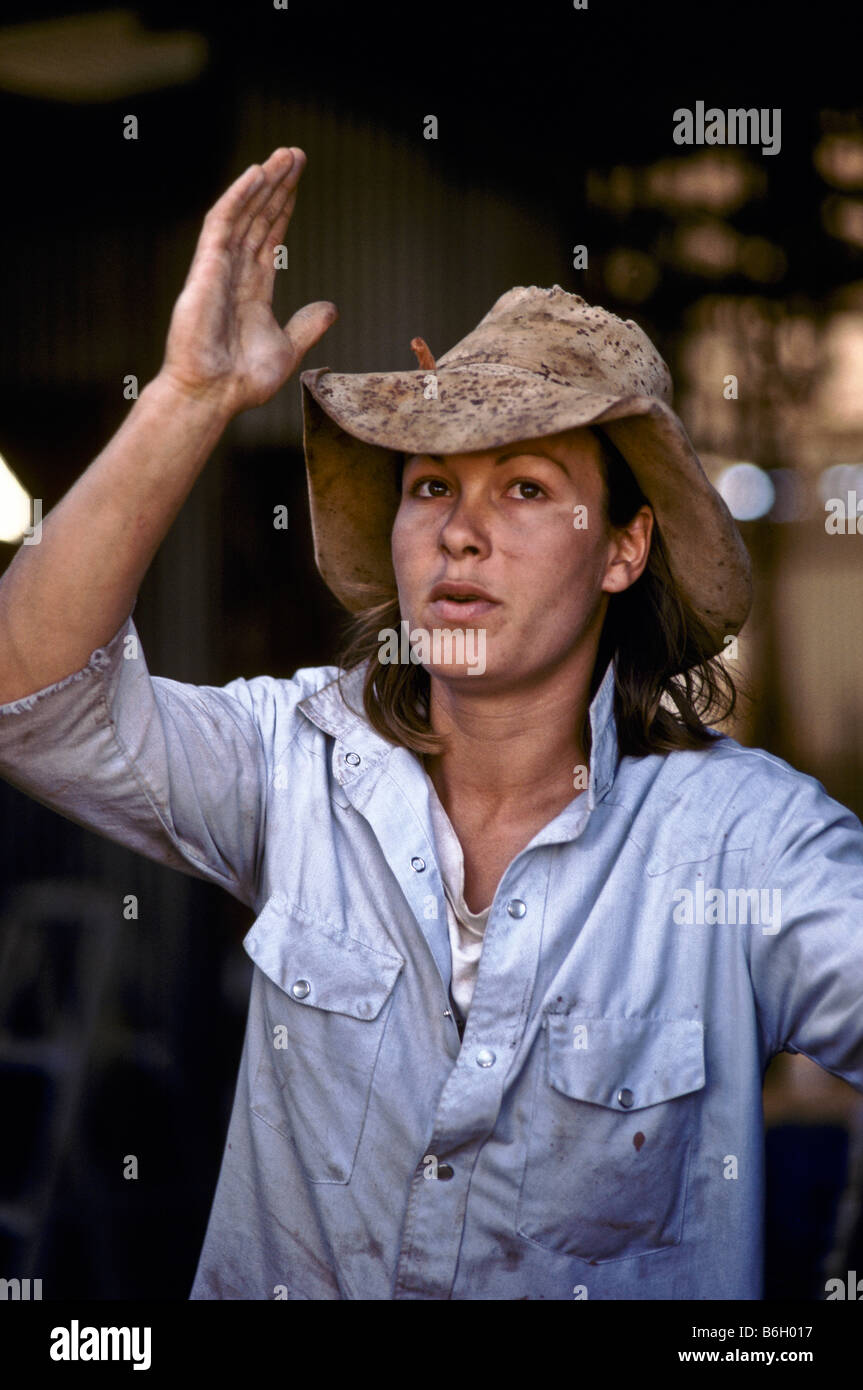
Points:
(539, 362)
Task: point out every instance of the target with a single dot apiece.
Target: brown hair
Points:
(666, 683)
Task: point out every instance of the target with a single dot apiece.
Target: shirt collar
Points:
(360, 747)
(604, 755)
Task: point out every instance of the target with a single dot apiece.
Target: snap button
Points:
(625, 1098)
(516, 908)
(485, 1057)
(353, 758)
(418, 865)
(445, 1172)
(300, 988)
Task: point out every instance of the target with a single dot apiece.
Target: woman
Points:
(526, 935)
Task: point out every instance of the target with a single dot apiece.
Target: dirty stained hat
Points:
(539, 362)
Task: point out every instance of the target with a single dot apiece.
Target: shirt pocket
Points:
(326, 1001)
(613, 1118)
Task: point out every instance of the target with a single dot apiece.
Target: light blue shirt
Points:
(598, 1131)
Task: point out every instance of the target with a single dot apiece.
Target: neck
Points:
(510, 753)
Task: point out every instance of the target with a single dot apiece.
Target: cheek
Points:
(398, 533)
(565, 579)
(563, 555)
(408, 546)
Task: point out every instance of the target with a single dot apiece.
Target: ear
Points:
(629, 550)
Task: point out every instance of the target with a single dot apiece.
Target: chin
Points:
(472, 673)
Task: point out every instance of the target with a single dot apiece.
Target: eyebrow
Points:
(513, 453)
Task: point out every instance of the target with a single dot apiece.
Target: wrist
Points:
(209, 404)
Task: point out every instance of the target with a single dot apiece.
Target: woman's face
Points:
(525, 525)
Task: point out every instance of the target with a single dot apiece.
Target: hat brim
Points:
(357, 425)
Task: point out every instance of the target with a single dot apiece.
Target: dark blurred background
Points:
(121, 1037)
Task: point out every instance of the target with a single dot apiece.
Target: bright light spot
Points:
(843, 218)
(15, 515)
(719, 181)
(839, 160)
(746, 490)
(839, 480)
(706, 248)
(837, 396)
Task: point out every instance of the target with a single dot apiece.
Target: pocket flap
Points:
(646, 1061)
(318, 965)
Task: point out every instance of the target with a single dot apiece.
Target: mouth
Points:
(459, 601)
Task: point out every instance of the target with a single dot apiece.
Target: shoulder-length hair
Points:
(667, 684)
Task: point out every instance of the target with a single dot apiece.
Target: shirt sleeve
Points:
(174, 771)
(807, 963)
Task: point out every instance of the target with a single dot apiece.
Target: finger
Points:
(277, 169)
(280, 166)
(254, 271)
(223, 216)
(276, 235)
(282, 217)
(217, 229)
(308, 325)
(281, 201)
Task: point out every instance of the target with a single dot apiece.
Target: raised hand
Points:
(223, 342)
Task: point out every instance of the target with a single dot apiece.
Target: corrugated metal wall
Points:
(381, 228)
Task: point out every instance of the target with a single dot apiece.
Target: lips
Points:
(460, 590)
(459, 600)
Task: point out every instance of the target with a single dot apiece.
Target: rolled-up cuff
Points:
(100, 661)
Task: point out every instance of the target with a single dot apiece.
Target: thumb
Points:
(309, 324)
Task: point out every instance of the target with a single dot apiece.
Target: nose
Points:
(464, 530)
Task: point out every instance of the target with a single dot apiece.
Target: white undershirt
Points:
(466, 928)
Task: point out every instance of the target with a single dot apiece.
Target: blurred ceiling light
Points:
(747, 491)
(843, 218)
(706, 248)
(839, 480)
(630, 274)
(719, 181)
(96, 57)
(714, 248)
(839, 160)
(15, 515)
(838, 398)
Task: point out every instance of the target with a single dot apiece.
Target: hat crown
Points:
(560, 335)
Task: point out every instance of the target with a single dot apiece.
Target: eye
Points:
(526, 483)
(415, 489)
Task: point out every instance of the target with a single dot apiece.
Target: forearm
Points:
(225, 352)
(68, 594)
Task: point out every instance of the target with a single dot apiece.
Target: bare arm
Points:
(225, 352)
